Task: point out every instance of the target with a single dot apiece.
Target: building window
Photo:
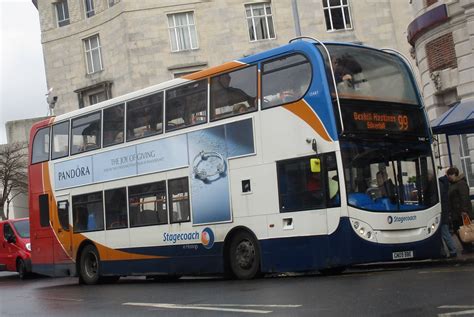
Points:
(260, 21)
(337, 14)
(93, 54)
(62, 12)
(97, 97)
(89, 7)
(182, 30)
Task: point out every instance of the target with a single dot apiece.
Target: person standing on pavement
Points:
(459, 202)
(446, 217)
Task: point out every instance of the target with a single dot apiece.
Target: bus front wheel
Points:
(89, 265)
(244, 256)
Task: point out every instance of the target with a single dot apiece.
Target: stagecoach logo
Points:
(403, 219)
(207, 238)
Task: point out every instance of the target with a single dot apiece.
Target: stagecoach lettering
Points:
(74, 173)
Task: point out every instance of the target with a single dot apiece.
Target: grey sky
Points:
(22, 81)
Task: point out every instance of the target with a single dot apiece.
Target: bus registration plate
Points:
(402, 255)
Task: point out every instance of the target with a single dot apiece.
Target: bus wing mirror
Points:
(315, 164)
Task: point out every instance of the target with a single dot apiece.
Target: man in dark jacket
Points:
(459, 201)
(446, 216)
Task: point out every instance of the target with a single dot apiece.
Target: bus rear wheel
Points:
(89, 265)
(244, 256)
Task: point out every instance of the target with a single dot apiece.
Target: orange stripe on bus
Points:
(304, 111)
(214, 70)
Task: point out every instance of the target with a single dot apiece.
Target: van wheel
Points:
(21, 269)
(244, 256)
(89, 265)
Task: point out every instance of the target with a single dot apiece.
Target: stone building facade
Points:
(99, 49)
(442, 36)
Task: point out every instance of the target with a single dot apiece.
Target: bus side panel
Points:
(180, 259)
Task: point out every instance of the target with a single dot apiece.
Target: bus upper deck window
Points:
(145, 116)
(285, 80)
(60, 140)
(113, 125)
(186, 105)
(86, 133)
(40, 146)
(234, 93)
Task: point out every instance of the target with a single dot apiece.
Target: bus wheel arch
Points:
(88, 263)
(242, 254)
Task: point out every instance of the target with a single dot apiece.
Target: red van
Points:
(15, 246)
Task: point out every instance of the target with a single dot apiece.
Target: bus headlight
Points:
(363, 230)
(433, 225)
(28, 246)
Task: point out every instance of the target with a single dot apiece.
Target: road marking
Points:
(63, 299)
(249, 305)
(174, 306)
(447, 271)
(457, 313)
(456, 306)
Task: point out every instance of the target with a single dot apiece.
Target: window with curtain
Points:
(182, 29)
(260, 21)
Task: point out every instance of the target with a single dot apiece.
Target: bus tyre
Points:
(21, 269)
(89, 265)
(244, 256)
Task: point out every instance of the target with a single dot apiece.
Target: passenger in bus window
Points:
(385, 184)
(240, 108)
(223, 95)
(81, 218)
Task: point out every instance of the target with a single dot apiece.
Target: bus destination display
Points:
(363, 119)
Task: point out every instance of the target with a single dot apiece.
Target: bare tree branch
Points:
(13, 173)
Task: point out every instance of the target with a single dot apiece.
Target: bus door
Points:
(63, 230)
(40, 234)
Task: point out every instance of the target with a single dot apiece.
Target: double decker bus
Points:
(310, 156)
